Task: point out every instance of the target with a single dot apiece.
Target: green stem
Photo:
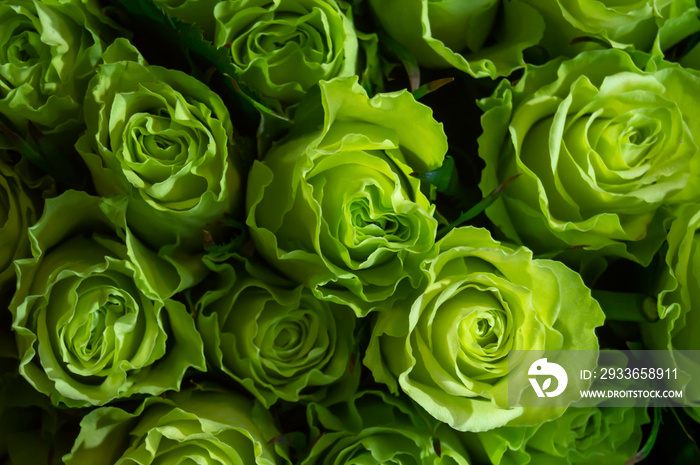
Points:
(644, 451)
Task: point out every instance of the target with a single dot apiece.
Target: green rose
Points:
(334, 206)
(90, 326)
(449, 348)
(601, 148)
(48, 52)
(165, 140)
(277, 340)
(18, 210)
(482, 38)
(592, 435)
(203, 427)
(284, 47)
(373, 428)
(620, 23)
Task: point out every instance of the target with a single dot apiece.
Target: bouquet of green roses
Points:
(306, 232)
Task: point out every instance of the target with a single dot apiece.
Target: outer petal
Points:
(603, 435)
(625, 24)
(203, 425)
(463, 35)
(373, 428)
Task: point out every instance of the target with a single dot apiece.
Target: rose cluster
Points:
(263, 232)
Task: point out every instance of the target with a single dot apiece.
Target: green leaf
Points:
(432, 86)
(478, 208)
(444, 178)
